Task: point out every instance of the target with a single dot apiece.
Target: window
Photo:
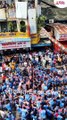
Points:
(3, 27)
(12, 26)
(22, 26)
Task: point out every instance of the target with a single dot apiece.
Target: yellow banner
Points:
(35, 38)
(14, 34)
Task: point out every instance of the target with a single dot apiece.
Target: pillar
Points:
(18, 25)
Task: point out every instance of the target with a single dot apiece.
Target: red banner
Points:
(13, 45)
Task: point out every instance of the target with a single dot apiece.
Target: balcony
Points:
(11, 13)
(8, 12)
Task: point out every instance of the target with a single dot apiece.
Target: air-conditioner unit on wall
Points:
(51, 20)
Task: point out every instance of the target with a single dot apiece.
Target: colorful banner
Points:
(14, 34)
(14, 45)
(14, 37)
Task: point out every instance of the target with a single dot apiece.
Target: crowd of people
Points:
(33, 87)
(4, 4)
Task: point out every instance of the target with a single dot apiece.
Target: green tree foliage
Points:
(40, 22)
(12, 26)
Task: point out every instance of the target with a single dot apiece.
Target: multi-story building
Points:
(14, 24)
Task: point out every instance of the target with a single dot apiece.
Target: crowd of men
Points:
(33, 87)
(4, 4)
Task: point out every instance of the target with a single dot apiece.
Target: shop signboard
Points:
(14, 37)
(15, 45)
(63, 37)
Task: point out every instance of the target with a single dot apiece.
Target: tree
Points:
(40, 22)
(12, 26)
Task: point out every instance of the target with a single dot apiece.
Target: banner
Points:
(7, 40)
(14, 34)
(63, 37)
(14, 45)
(2, 14)
(14, 37)
(32, 20)
(35, 38)
(21, 10)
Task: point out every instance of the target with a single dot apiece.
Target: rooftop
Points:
(61, 28)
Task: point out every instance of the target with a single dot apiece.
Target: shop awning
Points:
(43, 43)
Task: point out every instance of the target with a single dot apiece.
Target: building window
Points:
(22, 26)
(3, 27)
(12, 26)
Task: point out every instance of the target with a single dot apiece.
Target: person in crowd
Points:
(32, 88)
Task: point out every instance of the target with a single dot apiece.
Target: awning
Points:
(44, 43)
(62, 46)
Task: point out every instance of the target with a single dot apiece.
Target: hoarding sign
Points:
(14, 37)
(14, 45)
(21, 10)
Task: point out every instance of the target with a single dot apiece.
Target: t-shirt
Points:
(59, 117)
(8, 107)
(23, 113)
(42, 114)
(38, 104)
(27, 97)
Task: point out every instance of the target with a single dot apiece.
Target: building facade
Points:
(13, 30)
